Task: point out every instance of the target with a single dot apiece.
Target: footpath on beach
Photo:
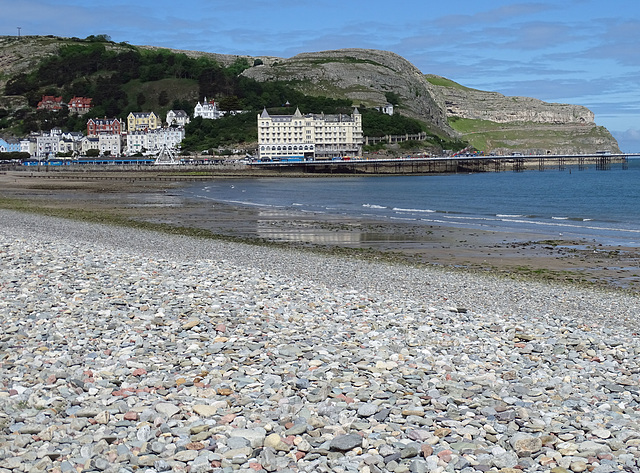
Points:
(123, 350)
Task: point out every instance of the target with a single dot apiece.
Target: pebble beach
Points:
(123, 350)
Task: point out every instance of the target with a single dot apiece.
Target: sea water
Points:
(570, 202)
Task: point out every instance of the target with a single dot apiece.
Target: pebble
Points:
(123, 350)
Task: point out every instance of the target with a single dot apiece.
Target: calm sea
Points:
(600, 205)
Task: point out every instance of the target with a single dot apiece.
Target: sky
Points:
(580, 52)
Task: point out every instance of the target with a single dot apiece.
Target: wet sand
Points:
(148, 197)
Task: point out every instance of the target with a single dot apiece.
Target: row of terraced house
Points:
(141, 133)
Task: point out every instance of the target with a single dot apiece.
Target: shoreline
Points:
(157, 202)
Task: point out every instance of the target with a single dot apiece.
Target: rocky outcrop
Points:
(22, 55)
(463, 102)
(504, 124)
(362, 75)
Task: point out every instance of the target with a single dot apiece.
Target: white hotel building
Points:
(311, 136)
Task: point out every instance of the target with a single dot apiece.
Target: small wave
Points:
(565, 224)
(240, 202)
(374, 206)
(509, 216)
(397, 209)
(560, 218)
(471, 217)
(297, 205)
(447, 222)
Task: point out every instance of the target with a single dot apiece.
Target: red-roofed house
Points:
(49, 102)
(79, 105)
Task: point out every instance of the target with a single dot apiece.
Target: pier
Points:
(447, 164)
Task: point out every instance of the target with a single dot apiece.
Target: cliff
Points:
(362, 75)
(498, 123)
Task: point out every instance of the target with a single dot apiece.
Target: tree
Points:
(182, 105)
(14, 155)
(392, 98)
(100, 38)
(229, 103)
(163, 98)
(18, 85)
(80, 88)
(141, 99)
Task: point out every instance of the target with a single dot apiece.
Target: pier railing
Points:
(450, 164)
(357, 165)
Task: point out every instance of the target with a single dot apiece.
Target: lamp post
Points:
(19, 28)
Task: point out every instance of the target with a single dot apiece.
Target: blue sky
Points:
(571, 51)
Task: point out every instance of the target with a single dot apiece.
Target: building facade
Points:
(48, 144)
(154, 141)
(142, 121)
(311, 136)
(110, 145)
(9, 146)
(104, 126)
(79, 105)
(28, 145)
(90, 142)
(70, 142)
(207, 110)
(50, 102)
(388, 109)
(177, 117)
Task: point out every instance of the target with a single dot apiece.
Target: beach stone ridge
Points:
(175, 354)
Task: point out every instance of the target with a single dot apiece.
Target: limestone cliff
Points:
(362, 75)
(463, 102)
(498, 123)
